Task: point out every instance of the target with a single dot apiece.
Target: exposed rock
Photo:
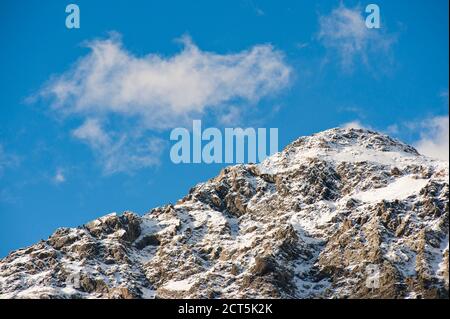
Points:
(345, 213)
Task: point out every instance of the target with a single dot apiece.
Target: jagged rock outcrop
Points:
(345, 213)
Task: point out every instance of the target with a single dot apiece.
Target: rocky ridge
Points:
(345, 213)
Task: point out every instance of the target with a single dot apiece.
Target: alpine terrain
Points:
(345, 213)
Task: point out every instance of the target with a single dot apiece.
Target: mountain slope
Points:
(344, 213)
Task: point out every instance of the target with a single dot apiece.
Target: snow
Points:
(216, 219)
(309, 222)
(180, 285)
(399, 254)
(120, 233)
(401, 188)
(20, 260)
(440, 263)
(356, 154)
(327, 146)
(193, 232)
(148, 293)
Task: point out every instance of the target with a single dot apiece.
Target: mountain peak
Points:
(308, 222)
(348, 145)
(338, 138)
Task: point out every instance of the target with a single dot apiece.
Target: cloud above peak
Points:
(124, 100)
(356, 124)
(123, 151)
(163, 91)
(432, 132)
(7, 160)
(344, 33)
(434, 138)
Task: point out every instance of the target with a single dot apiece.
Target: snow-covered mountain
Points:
(344, 213)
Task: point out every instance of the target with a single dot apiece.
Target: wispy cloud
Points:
(355, 124)
(163, 91)
(120, 152)
(59, 177)
(157, 92)
(434, 137)
(344, 33)
(444, 97)
(92, 133)
(351, 109)
(7, 160)
(255, 8)
(231, 116)
(433, 134)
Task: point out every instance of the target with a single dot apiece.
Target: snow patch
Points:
(179, 285)
(400, 189)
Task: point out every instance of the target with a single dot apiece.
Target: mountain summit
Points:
(345, 213)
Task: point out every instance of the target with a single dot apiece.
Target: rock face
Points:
(344, 213)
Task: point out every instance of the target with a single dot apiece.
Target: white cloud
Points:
(130, 154)
(345, 34)
(231, 116)
(165, 91)
(92, 133)
(7, 160)
(434, 140)
(301, 45)
(433, 132)
(59, 176)
(120, 152)
(392, 129)
(444, 97)
(150, 93)
(256, 9)
(3, 160)
(355, 124)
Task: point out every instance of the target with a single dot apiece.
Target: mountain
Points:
(345, 213)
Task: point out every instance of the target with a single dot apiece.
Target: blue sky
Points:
(74, 147)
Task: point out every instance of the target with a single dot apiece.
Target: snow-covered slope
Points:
(343, 213)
